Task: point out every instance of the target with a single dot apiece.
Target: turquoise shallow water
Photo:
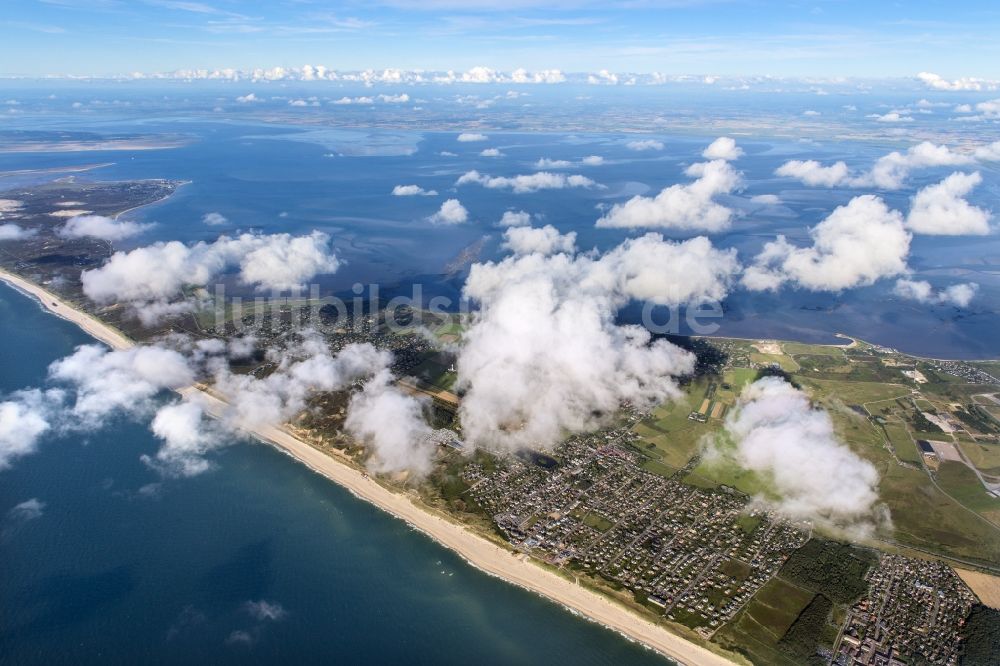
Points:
(122, 567)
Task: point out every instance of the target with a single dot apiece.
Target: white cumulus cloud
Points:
(149, 278)
(641, 145)
(9, 232)
(451, 212)
(214, 219)
(391, 424)
(938, 82)
(514, 218)
(780, 435)
(723, 148)
(412, 191)
(101, 227)
(543, 355)
(689, 206)
(524, 183)
(855, 245)
(959, 295)
(941, 209)
(543, 240)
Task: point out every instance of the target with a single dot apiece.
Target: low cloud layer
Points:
(24, 418)
(644, 145)
(525, 183)
(921, 291)
(775, 432)
(214, 219)
(937, 82)
(688, 207)
(451, 212)
(101, 227)
(543, 240)
(392, 425)
(95, 385)
(889, 172)
(544, 357)
(855, 245)
(941, 209)
(412, 191)
(149, 278)
(12, 232)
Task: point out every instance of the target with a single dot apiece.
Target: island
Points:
(633, 526)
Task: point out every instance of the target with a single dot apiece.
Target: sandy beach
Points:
(480, 553)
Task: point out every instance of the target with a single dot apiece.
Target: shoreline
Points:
(483, 555)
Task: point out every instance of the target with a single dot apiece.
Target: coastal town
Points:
(912, 612)
(693, 555)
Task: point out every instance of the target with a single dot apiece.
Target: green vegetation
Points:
(786, 363)
(806, 634)
(902, 443)
(978, 419)
(857, 392)
(835, 570)
(981, 637)
(795, 348)
(735, 569)
(668, 436)
(749, 524)
(960, 482)
(924, 517)
(986, 457)
(598, 522)
(757, 630)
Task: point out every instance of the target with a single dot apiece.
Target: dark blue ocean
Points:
(118, 566)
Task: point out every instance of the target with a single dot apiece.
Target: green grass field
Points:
(902, 443)
(962, 483)
(756, 630)
(924, 517)
(796, 348)
(786, 362)
(986, 457)
(668, 436)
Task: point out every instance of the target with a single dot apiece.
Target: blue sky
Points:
(825, 38)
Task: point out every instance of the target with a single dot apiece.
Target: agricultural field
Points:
(986, 457)
(758, 629)
(960, 482)
(876, 411)
(902, 443)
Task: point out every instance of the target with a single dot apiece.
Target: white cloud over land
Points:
(149, 278)
(101, 227)
(12, 232)
(779, 435)
(544, 357)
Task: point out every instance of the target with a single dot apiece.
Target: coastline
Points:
(484, 555)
